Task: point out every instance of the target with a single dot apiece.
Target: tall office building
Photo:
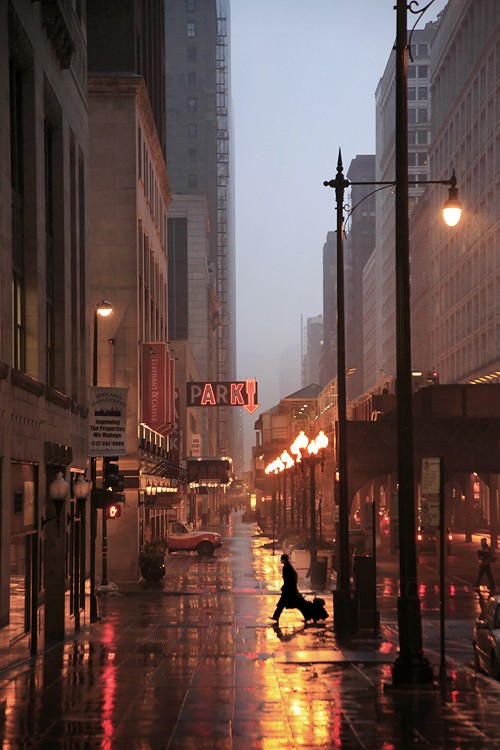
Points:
(313, 346)
(328, 369)
(359, 244)
(419, 138)
(128, 203)
(199, 163)
(456, 272)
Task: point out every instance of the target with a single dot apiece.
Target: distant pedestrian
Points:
(485, 559)
(290, 597)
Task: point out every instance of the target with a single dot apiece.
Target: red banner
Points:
(155, 372)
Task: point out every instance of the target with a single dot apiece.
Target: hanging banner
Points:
(154, 368)
(107, 421)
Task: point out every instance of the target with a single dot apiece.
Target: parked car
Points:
(486, 639)
(182, 538)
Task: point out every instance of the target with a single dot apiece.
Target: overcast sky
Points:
(304, 75)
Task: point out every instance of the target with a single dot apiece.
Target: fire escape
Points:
(223, 331)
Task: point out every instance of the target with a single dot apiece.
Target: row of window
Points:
(27, 244)
(152, 192)
(152, 291)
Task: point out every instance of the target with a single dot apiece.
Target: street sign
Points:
(239, 393)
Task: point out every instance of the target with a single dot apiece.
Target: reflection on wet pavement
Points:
(196, 663)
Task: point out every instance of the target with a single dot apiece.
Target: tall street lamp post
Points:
(411, 666)
(103, 309)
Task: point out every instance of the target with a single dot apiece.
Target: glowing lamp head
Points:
(452, 209)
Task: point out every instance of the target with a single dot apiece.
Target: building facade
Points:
(359, 244)
(199, 159)
(456, 273)
(419, 138)
(45, 317)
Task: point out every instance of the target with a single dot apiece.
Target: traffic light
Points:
(113, 511)
(111, 477)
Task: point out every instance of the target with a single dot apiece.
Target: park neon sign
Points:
(240, 393)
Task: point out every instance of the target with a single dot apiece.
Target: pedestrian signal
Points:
(113, 511)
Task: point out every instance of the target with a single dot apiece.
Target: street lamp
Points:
(102, 309)
(316, 451)
(58, 492)
(80, 492)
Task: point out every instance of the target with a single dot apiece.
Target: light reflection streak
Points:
(109, 682)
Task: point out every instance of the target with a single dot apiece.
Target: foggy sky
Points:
(304, 75)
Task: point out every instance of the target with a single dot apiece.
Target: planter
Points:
(152, 571)
(301, 561)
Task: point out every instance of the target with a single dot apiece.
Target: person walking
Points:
(485, 559)
(290, 597)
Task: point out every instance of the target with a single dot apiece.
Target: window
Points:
(191, 54)
(422, 71)
(411, 93)
(411, 116)
(18, 347)
(422, 50)
(421, 115)
(191, 104)
(422, 137)
(191, 79)
(411, 71)
(412, 138)
(193, 181)
(49, 253)
(191, 28)
(191, 6)
(193, 154)
(412, 159)
(192, 131)
(422, 159)
(422, 93)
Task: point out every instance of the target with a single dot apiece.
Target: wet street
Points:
(196, 663)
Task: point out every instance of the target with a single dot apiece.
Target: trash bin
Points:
(319, 572)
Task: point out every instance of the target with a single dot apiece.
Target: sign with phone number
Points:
(107, 421)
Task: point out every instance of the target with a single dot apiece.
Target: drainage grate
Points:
(325, 656)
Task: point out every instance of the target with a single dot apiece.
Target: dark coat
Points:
(290, 593)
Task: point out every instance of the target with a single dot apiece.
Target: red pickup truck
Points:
(182, 538)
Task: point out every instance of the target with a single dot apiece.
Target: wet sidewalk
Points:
(195, 663)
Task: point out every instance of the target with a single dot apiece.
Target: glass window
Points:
(422, 93)
(193, 180)
(412, 138)
(422, 71)
(191, 53)
(422, 137)
(192, 131)
(412, 159)
(193, 154)
(191, 28)
(422, 50)
(422, 115)
(191, 105)
(191, 6)
(411, 116)
(411, 71)
(411, 93)
(422, 159)
(191, 78)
